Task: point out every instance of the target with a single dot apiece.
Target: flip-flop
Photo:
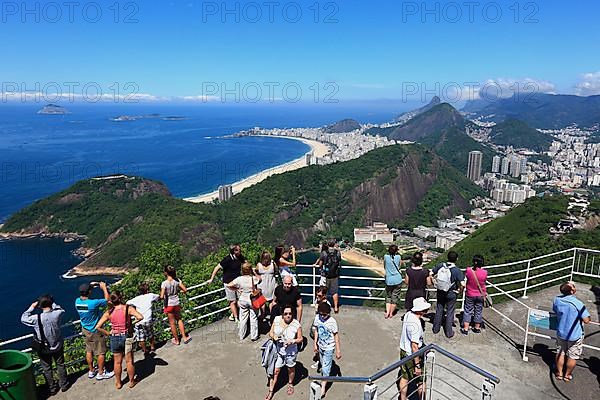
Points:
(176, 343)
(269, 395)
(558, 377)
(189, 339)
(568, 378)
(290, 390)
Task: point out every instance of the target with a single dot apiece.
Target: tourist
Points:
(265, 269)
(319, 264)
(327, 340)
(169, 293)
(144, 330)
(321, 297)
(330, 266)
(122, 339)
(417, 279)
(571, 314)
(231, 266)
(448, 282)
(90, 311)
(393, 280)
(474, 295)
(411, 340)
(286, 332)
(284, 265)
(287, 293)
(245, 285)
(47, 330)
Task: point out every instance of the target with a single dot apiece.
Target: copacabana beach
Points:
(318, 149)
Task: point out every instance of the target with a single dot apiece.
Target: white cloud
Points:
(589, 84)
(367, 85)
(507, 87)
(200, 98)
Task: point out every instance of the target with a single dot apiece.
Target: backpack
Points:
(331, 266)
(443, 280)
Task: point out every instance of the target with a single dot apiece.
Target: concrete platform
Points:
(215, 363)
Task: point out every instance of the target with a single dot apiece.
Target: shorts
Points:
(289, 360)
(144, 331)
(326, 357)
(121, 344)
(572, 349)
(95, 342)
(407, 371)
(231, 294)
(392, 294)
(173, 310)
(333, 286)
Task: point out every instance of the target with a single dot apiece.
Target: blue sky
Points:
(370, 51)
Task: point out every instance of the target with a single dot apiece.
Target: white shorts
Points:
(288, 360)
(231, 294)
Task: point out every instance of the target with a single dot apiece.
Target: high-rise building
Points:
(225, 192)
(474, 168)
(496, 164)
(505, 166)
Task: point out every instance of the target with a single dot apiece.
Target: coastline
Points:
(317, 148)
(364, 260)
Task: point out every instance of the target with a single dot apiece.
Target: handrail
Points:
(398, 364)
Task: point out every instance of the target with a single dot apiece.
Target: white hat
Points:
(419, 304)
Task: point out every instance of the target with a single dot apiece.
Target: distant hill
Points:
(343, 126)
(403, 185)
(541, 110)
(404, 117)
(518, 134)
(442, 128)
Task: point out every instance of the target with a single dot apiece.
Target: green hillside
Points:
(518, 134)
(120, 216)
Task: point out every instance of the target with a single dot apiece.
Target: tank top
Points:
(117, 320)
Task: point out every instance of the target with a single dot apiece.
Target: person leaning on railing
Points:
(411, 341)
(571, 314)
(90, 311)
(46, 326)
(474, 296)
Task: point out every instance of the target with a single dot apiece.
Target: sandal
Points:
(175, 342)
(290, 389)
(186, 341)
(568, 378)
(558, 377)
(132, 384)
(269, 395)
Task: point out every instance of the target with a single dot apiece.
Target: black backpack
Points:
(331, 266)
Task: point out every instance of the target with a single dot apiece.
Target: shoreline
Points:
(364, 260)
(317, 148)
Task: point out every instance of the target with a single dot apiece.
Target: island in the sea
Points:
(53, 109)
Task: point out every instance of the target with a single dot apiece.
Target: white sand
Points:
(317, 148)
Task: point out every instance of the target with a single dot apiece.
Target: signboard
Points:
(542, 319)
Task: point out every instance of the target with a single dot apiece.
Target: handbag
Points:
(487, 299)
(256, 297)
(39, 344)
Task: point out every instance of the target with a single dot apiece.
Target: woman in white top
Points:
(265, 269)
(286, 332)
(245, 285)
(285, 266)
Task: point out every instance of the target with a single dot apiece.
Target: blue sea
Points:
(43, 154)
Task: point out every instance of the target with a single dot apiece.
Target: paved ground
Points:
(215, 363)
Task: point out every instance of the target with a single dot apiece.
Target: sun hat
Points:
(419, 304)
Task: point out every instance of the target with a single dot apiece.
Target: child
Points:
(169, 290)
(321, 298)
(327, 340)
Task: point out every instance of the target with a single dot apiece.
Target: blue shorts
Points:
(121, 344)
(326, 357)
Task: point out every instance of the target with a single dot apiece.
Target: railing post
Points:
(526, 280)
(314, 285)
(370, 391)
(487, 390)
(315, 390)
(573, 264)
(431, 358)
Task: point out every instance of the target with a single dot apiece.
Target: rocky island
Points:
(53, 109)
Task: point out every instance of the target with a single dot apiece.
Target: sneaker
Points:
(464, 331)
(315, 365)
(231, 317)
(92, 374)
(105, 375)
(476, 330)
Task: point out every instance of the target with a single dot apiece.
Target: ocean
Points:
(43, 154)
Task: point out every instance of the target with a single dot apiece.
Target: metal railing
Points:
(375, 387)
(361, 284)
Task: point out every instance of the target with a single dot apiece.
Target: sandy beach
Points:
(317, 148)
(357, 257)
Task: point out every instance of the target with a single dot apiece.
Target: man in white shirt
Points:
(410, 342)
(145, 329)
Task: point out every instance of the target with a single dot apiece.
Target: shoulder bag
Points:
(39, 344)
(256, 297)
(487, 299)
